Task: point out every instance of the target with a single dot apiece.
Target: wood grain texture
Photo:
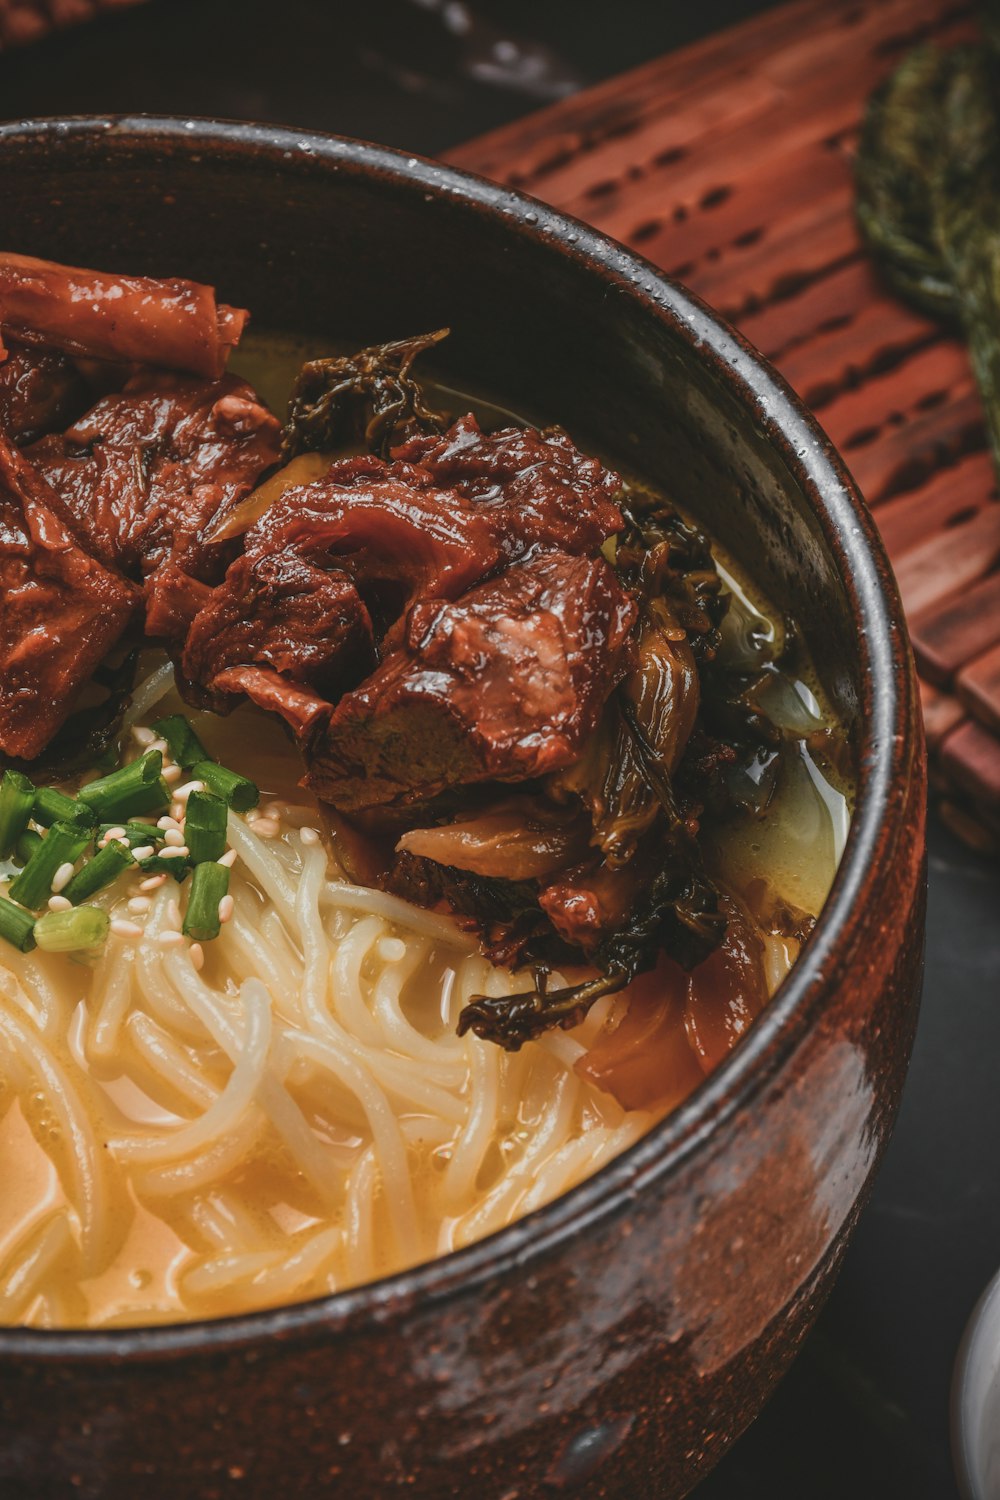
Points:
(979, 687)
(729, 164)
(956, 630)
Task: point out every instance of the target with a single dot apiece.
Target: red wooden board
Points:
(729, 165)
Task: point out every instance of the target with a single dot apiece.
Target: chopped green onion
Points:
(136, 834)
(135, 788)
(107, 864)
(62, 845)
(155, 864)
(69, 931)
(182, 742)
(240, 793)
(17, 926)
(209, 884)
(55, 807)
(17, 798)
(205, 826)
(26, 845)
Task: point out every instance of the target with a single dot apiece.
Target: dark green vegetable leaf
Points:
(369, 397)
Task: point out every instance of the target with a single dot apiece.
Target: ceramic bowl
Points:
(616, 1342)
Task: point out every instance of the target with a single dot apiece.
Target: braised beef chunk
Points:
(40, 391)
(303, 709)
(385, 525)
(60, 610)
(404, 532)
(174, 324)
(173, 600)
(328, 569)
(504, 684)
(537, 488)
(282, 612)
(147, 470)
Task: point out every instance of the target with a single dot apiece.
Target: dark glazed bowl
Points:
(615, 1342)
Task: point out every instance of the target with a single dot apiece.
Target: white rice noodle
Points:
(148, 693)
(31, 1262)
(297, 1116)
(77, 1157)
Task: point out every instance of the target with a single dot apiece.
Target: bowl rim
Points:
(886, 742)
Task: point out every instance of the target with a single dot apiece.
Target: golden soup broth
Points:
(298, 1115)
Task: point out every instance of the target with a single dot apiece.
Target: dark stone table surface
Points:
(864, 1411)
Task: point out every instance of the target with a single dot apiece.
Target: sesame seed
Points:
(197, 953)
(152, 882)
(114, 833)
(60, 903)
(226, 907)
(176, 810)
(141, 735)
(182, 793)
(175, 851)
(62, 877)
(160, 745)
(144, 851)
(309, 835)
(228, 859)
(174, 838)
(171, 774)
(124, 929)
(139, 904)
(169, 938)
(167, 822)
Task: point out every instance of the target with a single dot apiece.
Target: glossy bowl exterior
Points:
(615, 1342)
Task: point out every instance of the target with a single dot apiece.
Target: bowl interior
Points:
(320, 236)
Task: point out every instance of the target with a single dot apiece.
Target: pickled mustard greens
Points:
(369, 397)
(928, 195)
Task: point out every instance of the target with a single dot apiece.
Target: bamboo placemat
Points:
(729, 165)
